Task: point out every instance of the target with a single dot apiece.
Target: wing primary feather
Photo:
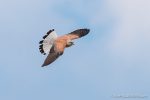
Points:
(50, 58)
(78, 33)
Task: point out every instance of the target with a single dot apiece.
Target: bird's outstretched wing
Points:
(50, 58)
(78, 33)
(47, 42)
(56, 51)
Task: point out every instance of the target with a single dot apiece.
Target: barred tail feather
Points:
(47, 42)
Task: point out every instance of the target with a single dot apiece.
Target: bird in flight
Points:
(54, 45)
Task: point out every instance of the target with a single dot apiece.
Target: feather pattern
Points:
(78, 33)
(47, 42)
(55, 46)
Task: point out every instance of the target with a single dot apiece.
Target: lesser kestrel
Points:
(54, 46)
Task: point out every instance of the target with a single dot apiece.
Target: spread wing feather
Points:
(50, 58)
(78, 33)
(56, 51)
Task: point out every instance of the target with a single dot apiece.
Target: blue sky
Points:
(113, 59)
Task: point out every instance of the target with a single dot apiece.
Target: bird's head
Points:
(70, 43)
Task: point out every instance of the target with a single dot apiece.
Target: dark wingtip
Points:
(84, 32)
(88, 30)
(42, 66)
